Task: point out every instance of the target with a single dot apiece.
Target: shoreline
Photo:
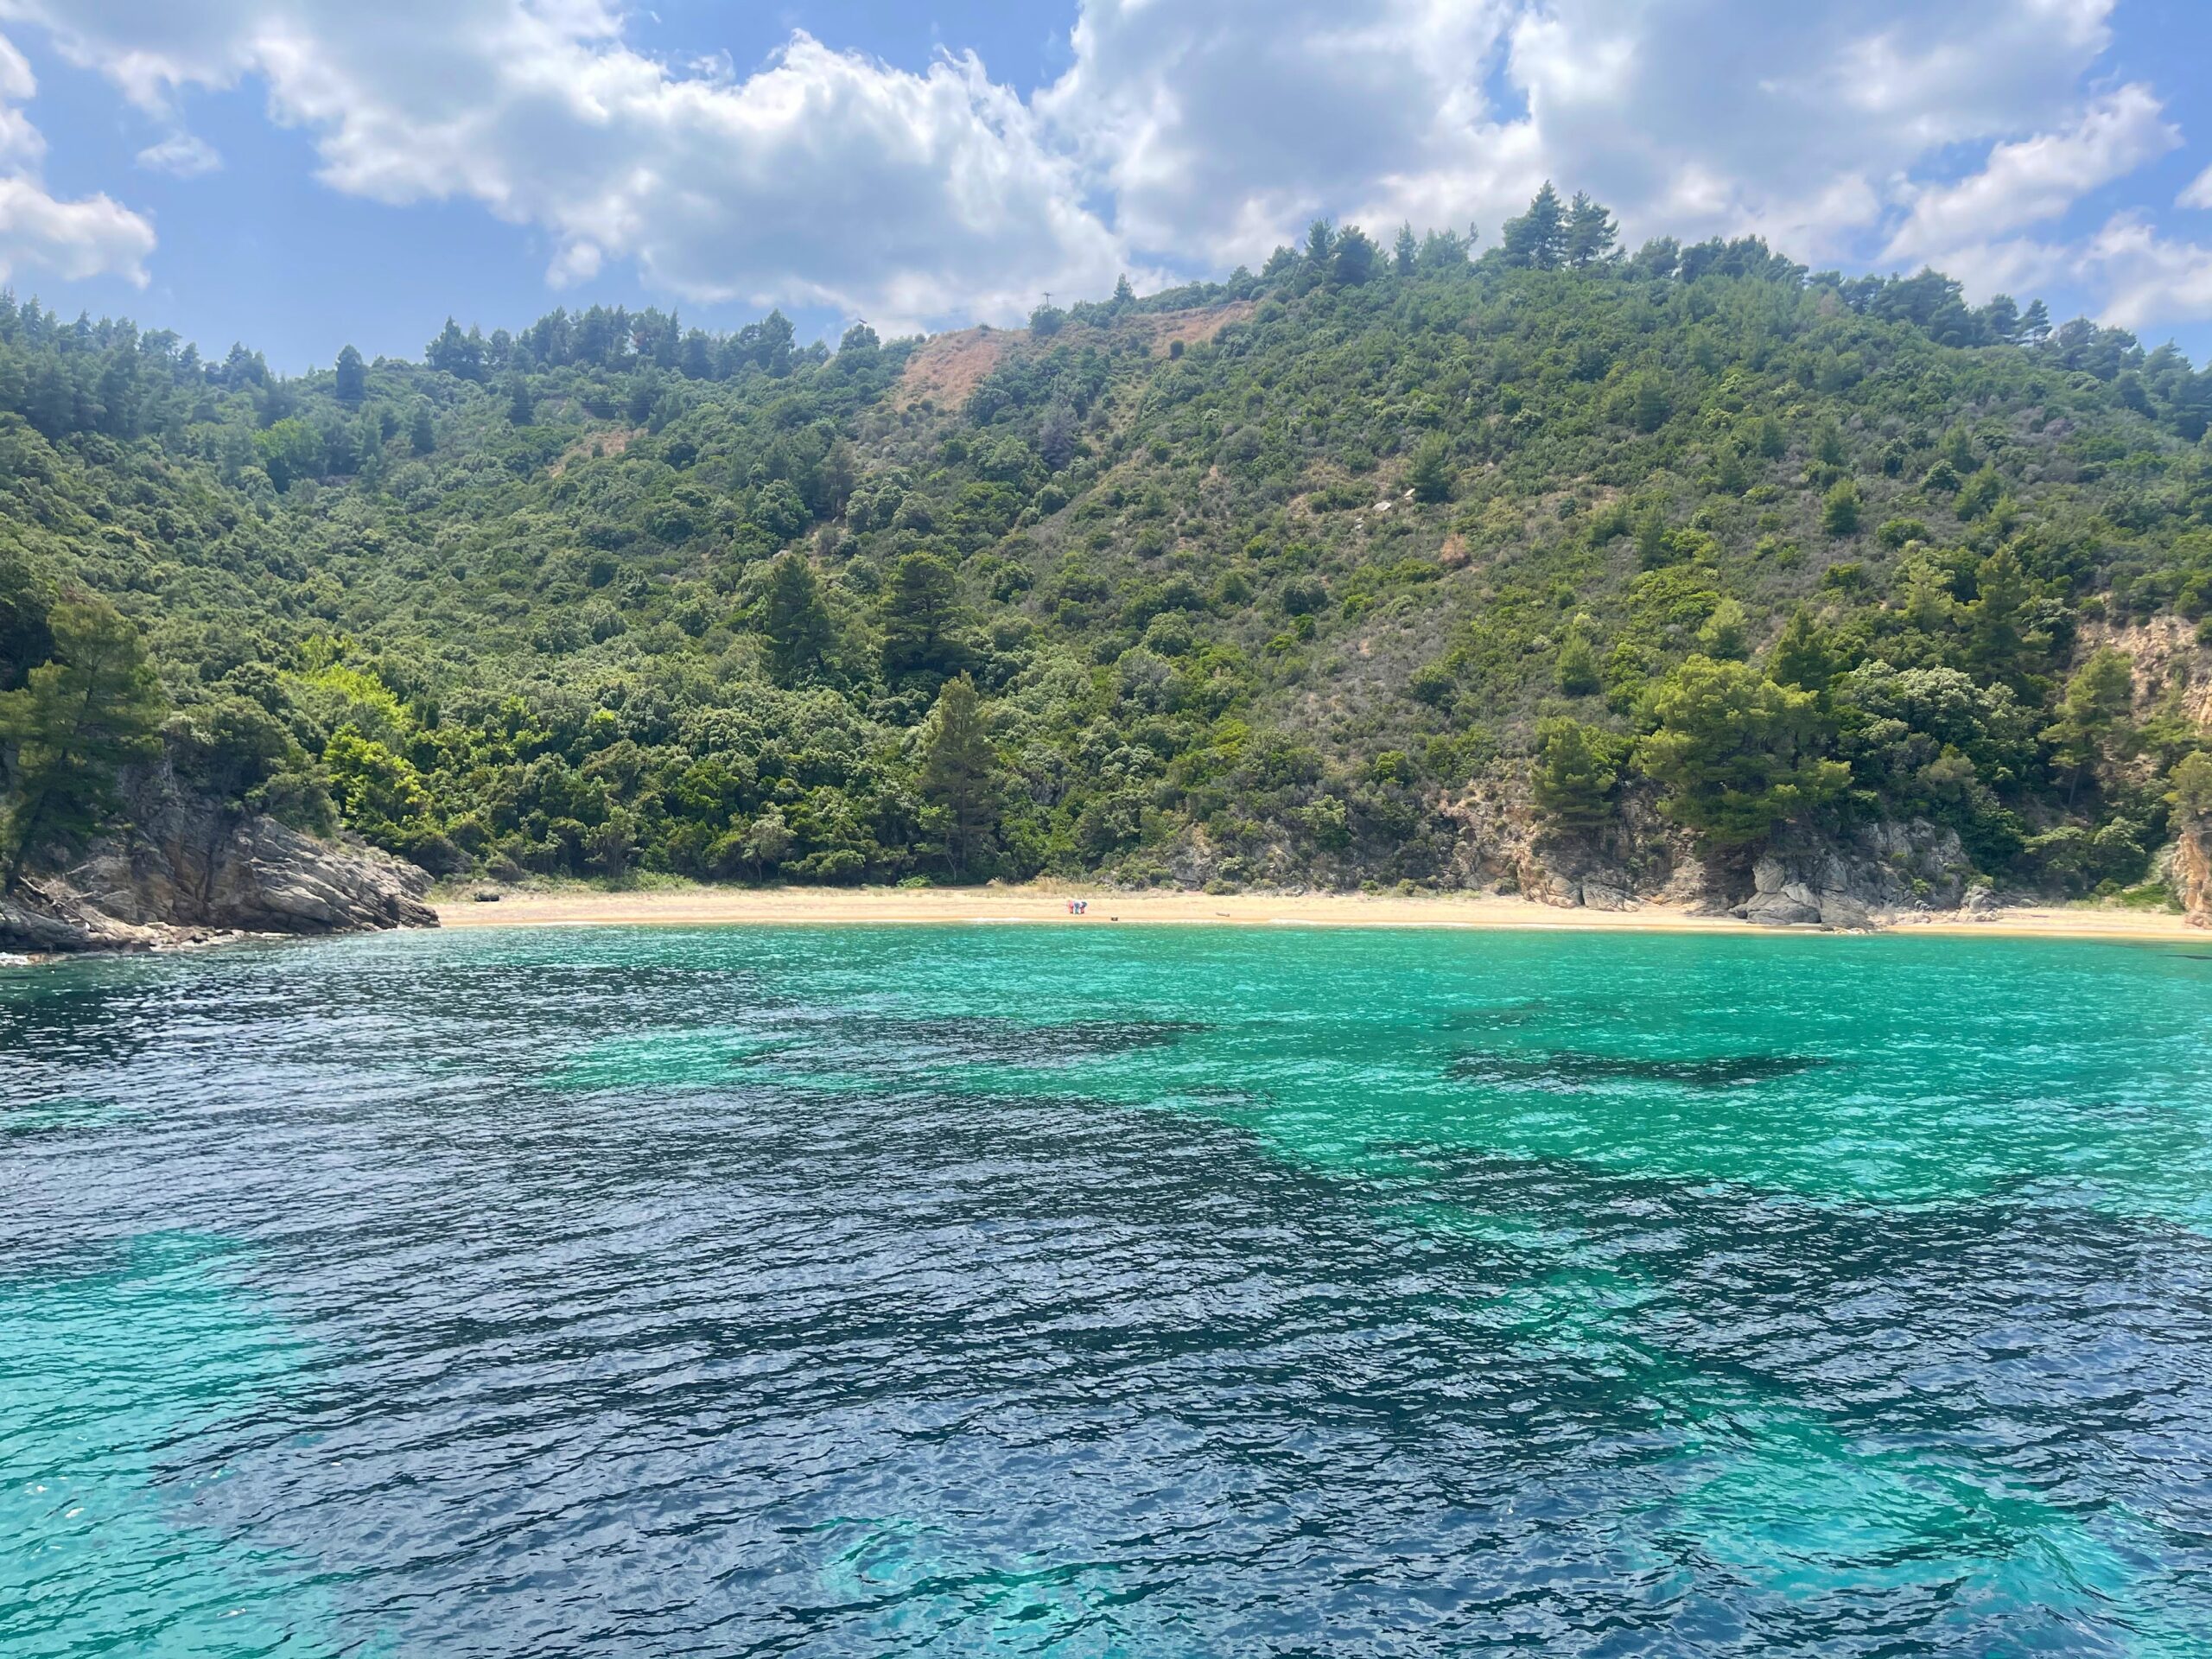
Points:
(1037, 905)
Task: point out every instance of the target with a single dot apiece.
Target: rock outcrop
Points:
(2192, 874)
(1636, 860)
(1849, 886)
(185, 870)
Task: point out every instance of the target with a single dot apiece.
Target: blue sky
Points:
(304, 174)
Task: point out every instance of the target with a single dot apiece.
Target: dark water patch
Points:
(1570, 1069)
(1530, 1011)
(999, 1041)
(863, 1044)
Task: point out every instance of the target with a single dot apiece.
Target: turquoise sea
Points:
(1106, 1291)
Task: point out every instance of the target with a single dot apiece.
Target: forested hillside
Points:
(1241, 583)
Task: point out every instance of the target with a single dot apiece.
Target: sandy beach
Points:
(1048, 903)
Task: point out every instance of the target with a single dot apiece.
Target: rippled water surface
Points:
(1108, 1292)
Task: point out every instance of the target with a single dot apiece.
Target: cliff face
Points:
(187, 869)
(2192, 874)
(1845, 882)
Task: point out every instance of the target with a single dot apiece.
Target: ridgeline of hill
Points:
(1266, 581)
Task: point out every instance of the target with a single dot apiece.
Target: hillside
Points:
(1321, 575)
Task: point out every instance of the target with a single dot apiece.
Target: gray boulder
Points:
(184, 870)
(249, 874)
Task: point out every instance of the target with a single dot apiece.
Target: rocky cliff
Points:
(186, 869)
(1849, 881)
(2192, 874)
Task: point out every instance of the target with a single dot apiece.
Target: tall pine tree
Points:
(794, 621)
(1590, 232)
(73, 725)
(959, 778)
(1538, 237)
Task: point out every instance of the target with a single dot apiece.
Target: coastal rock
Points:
(46, 918)
(1779, 898)
(1602, 895)
(249, 875)
(2191, 874)
(186, 868)
(1505, 843)
(1841, 913)
(1849, 884)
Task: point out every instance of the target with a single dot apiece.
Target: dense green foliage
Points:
(1240, 583)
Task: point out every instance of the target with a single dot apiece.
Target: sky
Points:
(304, 175)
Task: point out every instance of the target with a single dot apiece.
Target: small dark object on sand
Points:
(487, 895)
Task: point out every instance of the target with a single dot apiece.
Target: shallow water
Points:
(1108, 1292)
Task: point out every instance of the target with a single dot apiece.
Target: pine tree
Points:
(2001, 640)
(1538, 237)
(1726, 635)
(1321, 247)
(794, 621)
(1576, 768)
(2190, 794)
(1590, 232)
(959, 777)
(1803, 659)
(422, 430)
(2035, 325)
(1406, 252)
(353, 376)
(921, 618)
(1429, 474)
(1735, 753)
(1355, 258)
(1840, 509)
(2092, 725)
(78, 720)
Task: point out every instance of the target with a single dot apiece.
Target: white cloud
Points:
(824, 177)
(2198, 194)
(2149, 280)
(181, 156)
(40, 234)
(1793, 122)
(91, 236)
(1221, 129)
(2032, 180)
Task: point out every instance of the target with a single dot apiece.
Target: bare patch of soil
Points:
(612, 441)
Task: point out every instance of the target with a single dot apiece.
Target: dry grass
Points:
(948, 368)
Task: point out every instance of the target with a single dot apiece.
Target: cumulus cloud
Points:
(40, 234)
(2198, 194)
(824, 177)
(2148, 279)
(2036, 179)
(1220, 130)
(1966, 228)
